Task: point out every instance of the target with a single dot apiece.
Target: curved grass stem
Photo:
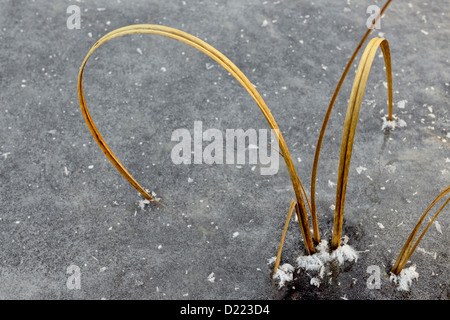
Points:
(407, 251)
(283, 235)
(325, 123)
(351, 120)
(230, 67)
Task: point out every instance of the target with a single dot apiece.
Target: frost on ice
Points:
(271, 260)
(344, 253)
(438, 226)
(284, 274)
(401, 104)
(142, 203)
(360, 169)
(211, 277)
(405, 278)
(317, 262)
(397, 122)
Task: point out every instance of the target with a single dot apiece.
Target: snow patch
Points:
(405, 278)
(344, 253)
(271, 261)
(397, 122)
(317, 262)
(142, 203)
(360, 169)
(211, 277)
(401, 104)
(438, 226)
(284, 274)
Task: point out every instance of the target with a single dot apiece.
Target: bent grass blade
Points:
(406, 252)
(325, 123)
(351, 120)
(230, 67)
(283, 235)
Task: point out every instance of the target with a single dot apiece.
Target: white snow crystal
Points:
(438, 226)
(331, 184)
(344, 253)
(401, 104)
(405, 278)
(284, 274)
(211, 277)
(5, 155)
(271, 261)
(142, 203)
(360, 169)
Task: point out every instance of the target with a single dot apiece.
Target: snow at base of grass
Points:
(396, 123)
(142, 203)
(284, 274)
(405, 278)
(317, 262)
(344, 253)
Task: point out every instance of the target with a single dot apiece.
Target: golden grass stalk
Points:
(406, 252)
(351, 120)
(286, 224)
(230, 67)
(325, 123)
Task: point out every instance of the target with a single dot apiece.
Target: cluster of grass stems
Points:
(301, 201)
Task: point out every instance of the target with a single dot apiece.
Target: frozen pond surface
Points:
(63, 205)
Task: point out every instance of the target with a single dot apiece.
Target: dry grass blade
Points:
(230, 67)
(325, 123)
(351, 120)
(406, 252)
(283, 235)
